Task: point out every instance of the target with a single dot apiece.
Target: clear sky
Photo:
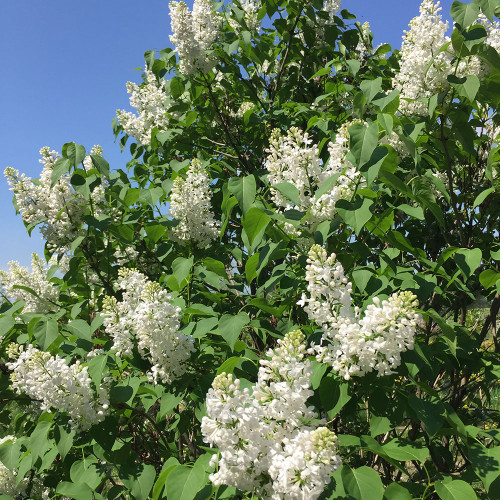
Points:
(65, 65)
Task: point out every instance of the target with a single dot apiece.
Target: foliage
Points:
(190, 263)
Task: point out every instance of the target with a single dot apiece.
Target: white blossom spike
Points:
(354, 343)
(270, 441)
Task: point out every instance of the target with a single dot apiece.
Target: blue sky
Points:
(65, 65)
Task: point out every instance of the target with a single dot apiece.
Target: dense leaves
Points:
(402, 188)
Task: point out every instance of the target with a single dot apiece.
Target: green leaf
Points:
(493, 159)
(379, 425)
(64, 439)
(6, 323)
(230, 327)
(169, 401)
(138, 478)
(482, 196)
(72, 490)
(355, 214)
(416, 212)
(254, 222)
(396, 491)
(371, 88)
(290, 191)
(467, 86)
(404, 451)
(85, 472)
(167, 468)
(184, 482)
(101, 165)
(354, 65)
(155, 232)
(181, 268)
(80, 328)
(97, 367)
(378, 158)
(244, 189)
(486, 464)
(75, 153)
(362, 483)
(46, 331)
(216, 266)
(326, 185)
(431, 413)
(125, 391)
(468, 260)
(363, 140)
(176, 87)
(488, 278)
(61, 167)
(388, 104)
(454, 490)
(229, 365)
(464, 43)
(488, 7)
(39, 442)
(10, 452)
(334, 395)
(464, 13)
(251, 267)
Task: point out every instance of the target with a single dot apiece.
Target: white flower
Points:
(251, 10)
(58, 386)
(421, 44)
(364, 47)
(17, 275)
(395, 141)
(293, 159)
(244, 107)
(193, 33)
(150, 101)
(125, 255)
(332, 7)
(269, 439)
(190, 204)
(146, 315)
(59, 209)
(473, 65)
(355, 344)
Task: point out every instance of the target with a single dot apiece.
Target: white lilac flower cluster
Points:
(395, 141)
(364, 47)
(58, 386)
(327, 18)
(292, 158)
(421, 43)
(145, 315)
(17, 275)
(423, 69)
(270, 441)
(473, 65)
(190, 204)
(354, 343)
(331, 7)
(126, 255)
(149, 99)
(58, 208)
(250, 16)
(193, 33)
(244, 107)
